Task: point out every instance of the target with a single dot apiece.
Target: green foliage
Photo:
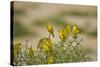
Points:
(78, 13)
(57, 20)
(62, 52)
(48, 52)
(19, 30)
(94, 33)
(70, 51)
(40, 22)
(18, 12)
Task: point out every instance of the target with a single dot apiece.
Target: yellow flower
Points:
(45, 44)
(75, 30)
(50, 60)
(62, 35)
(50, 30)
(67, 29)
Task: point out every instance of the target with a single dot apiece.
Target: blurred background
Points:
(31, 20)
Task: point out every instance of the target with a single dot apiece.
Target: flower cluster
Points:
(64, 33)
(66, 50)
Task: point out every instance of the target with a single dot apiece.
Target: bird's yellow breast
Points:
(50, 29)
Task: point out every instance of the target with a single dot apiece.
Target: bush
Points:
(68, 49)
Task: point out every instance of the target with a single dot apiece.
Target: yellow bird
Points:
(45, 44)
(67, 29)
(62, 35)
(75, 30)
(50, 30)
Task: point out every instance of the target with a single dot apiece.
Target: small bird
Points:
(62, 35)
(75, 30)
(67, 29)
(50, 30)
(45, 44)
